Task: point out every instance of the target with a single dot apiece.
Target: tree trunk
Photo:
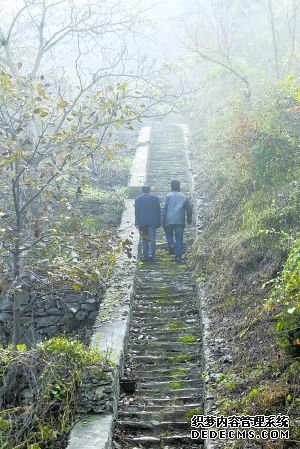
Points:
(274, 39)
(16, 259)
(16, 301)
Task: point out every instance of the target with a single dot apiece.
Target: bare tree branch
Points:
(274, 37)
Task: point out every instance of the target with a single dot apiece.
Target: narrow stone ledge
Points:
(92, 432)
(111, 328)
(140, 164)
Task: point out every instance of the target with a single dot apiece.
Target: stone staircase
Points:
(163, 359)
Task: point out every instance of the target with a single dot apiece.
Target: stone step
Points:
(181, 300)
(157, 331)
(157, 322)
(165, 334)
(169, 370)
(170, 294)
(174, 415)
(157, 427)
(164, 298)
(168, 332)
(174, 344)
(173, 375)
(195, 407)
(171, 313)
(152, 341)
(171, 402)
(175, 441)
(170, 393)
(164, 351)
(166, 378)
(170, 358)
(174, 385)
(165, 286)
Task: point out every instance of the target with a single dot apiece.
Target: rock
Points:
(50, 312)
(99, 391)
(48, 321)
(5, 316)
(81, 315)
(52, 331)
(91, 300)
(93, 315)
(71, 323)
(89, 306)
(226, 359)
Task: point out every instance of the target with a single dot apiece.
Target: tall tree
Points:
(67, 83)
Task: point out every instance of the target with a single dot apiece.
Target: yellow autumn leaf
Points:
(41, 90)
(76, 286)
(5, 81)
(90, 141)
(61, 104)
(43, 112)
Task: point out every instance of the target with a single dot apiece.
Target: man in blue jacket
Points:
(175, 208)
(147, 219)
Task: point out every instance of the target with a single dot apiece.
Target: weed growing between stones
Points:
(176, 325)
(176, 385)
(179, 372)
(188, 339)
(38, 391)
(194, 411)
(180, 358)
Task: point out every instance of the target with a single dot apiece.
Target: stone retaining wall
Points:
(97, 392)
(45, 315)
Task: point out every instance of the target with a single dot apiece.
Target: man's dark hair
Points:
(175, 186)
(145, 189)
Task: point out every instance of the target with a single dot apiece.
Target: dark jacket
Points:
(175, 207)
(147, 210)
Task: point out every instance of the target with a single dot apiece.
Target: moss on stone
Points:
(174, 325)
(179, 372)
(176, 385)
(188, 339)
(194, 411)
(180, 358)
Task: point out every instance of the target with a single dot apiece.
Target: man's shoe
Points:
(151, 257)
(172, 250)
(178, 259)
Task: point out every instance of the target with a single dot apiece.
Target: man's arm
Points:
(164, 210)
(158, 208)
(136, 211)
(189, 211)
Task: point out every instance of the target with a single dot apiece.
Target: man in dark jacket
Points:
(175, 208)
(147, 219)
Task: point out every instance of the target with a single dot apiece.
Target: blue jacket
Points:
(175, 207)
(147, 210)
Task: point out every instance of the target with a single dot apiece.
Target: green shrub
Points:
(284, 300)
(52, 372)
